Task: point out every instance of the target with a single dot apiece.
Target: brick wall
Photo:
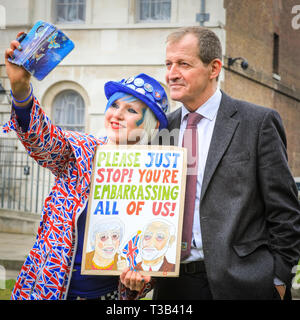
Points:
(250, 28)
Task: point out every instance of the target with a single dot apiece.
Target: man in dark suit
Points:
(246, 229)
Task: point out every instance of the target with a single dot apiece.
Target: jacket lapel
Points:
(174, 120)
(225, 127)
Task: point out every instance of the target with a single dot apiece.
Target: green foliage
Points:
(297, 277)
(6, 293)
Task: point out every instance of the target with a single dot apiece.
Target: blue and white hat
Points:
(145, 88)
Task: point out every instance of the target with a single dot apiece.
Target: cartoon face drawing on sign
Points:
(151, 211)
(105, 238)
(156, 239)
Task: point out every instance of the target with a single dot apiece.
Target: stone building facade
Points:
(115, 40)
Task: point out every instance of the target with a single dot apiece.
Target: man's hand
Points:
(133, 279)
(18, 76)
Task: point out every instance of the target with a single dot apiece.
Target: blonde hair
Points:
(150, 125)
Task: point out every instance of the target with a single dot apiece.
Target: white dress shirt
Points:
(205, 129)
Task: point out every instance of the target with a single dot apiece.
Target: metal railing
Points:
(23, 183)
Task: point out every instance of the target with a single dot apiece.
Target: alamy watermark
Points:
(296, 18)
(2, 17)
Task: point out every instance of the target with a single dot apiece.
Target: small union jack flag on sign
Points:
(131, 250)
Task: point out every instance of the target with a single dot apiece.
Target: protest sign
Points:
(135, 210)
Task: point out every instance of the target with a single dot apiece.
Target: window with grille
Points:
(154, 10)
(70, 11)
(68, 111)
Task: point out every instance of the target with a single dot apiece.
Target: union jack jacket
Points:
(45, 273)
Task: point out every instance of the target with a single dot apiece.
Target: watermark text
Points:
(296, 18)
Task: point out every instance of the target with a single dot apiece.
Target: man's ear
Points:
(216, 66)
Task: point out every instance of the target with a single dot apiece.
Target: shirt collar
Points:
(209, 109)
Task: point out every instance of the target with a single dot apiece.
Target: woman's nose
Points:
(119, 113)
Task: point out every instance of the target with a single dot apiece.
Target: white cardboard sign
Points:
(135, 210)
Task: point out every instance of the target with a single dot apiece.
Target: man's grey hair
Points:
(209, 45)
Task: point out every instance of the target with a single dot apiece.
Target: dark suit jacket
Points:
(250, 215)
